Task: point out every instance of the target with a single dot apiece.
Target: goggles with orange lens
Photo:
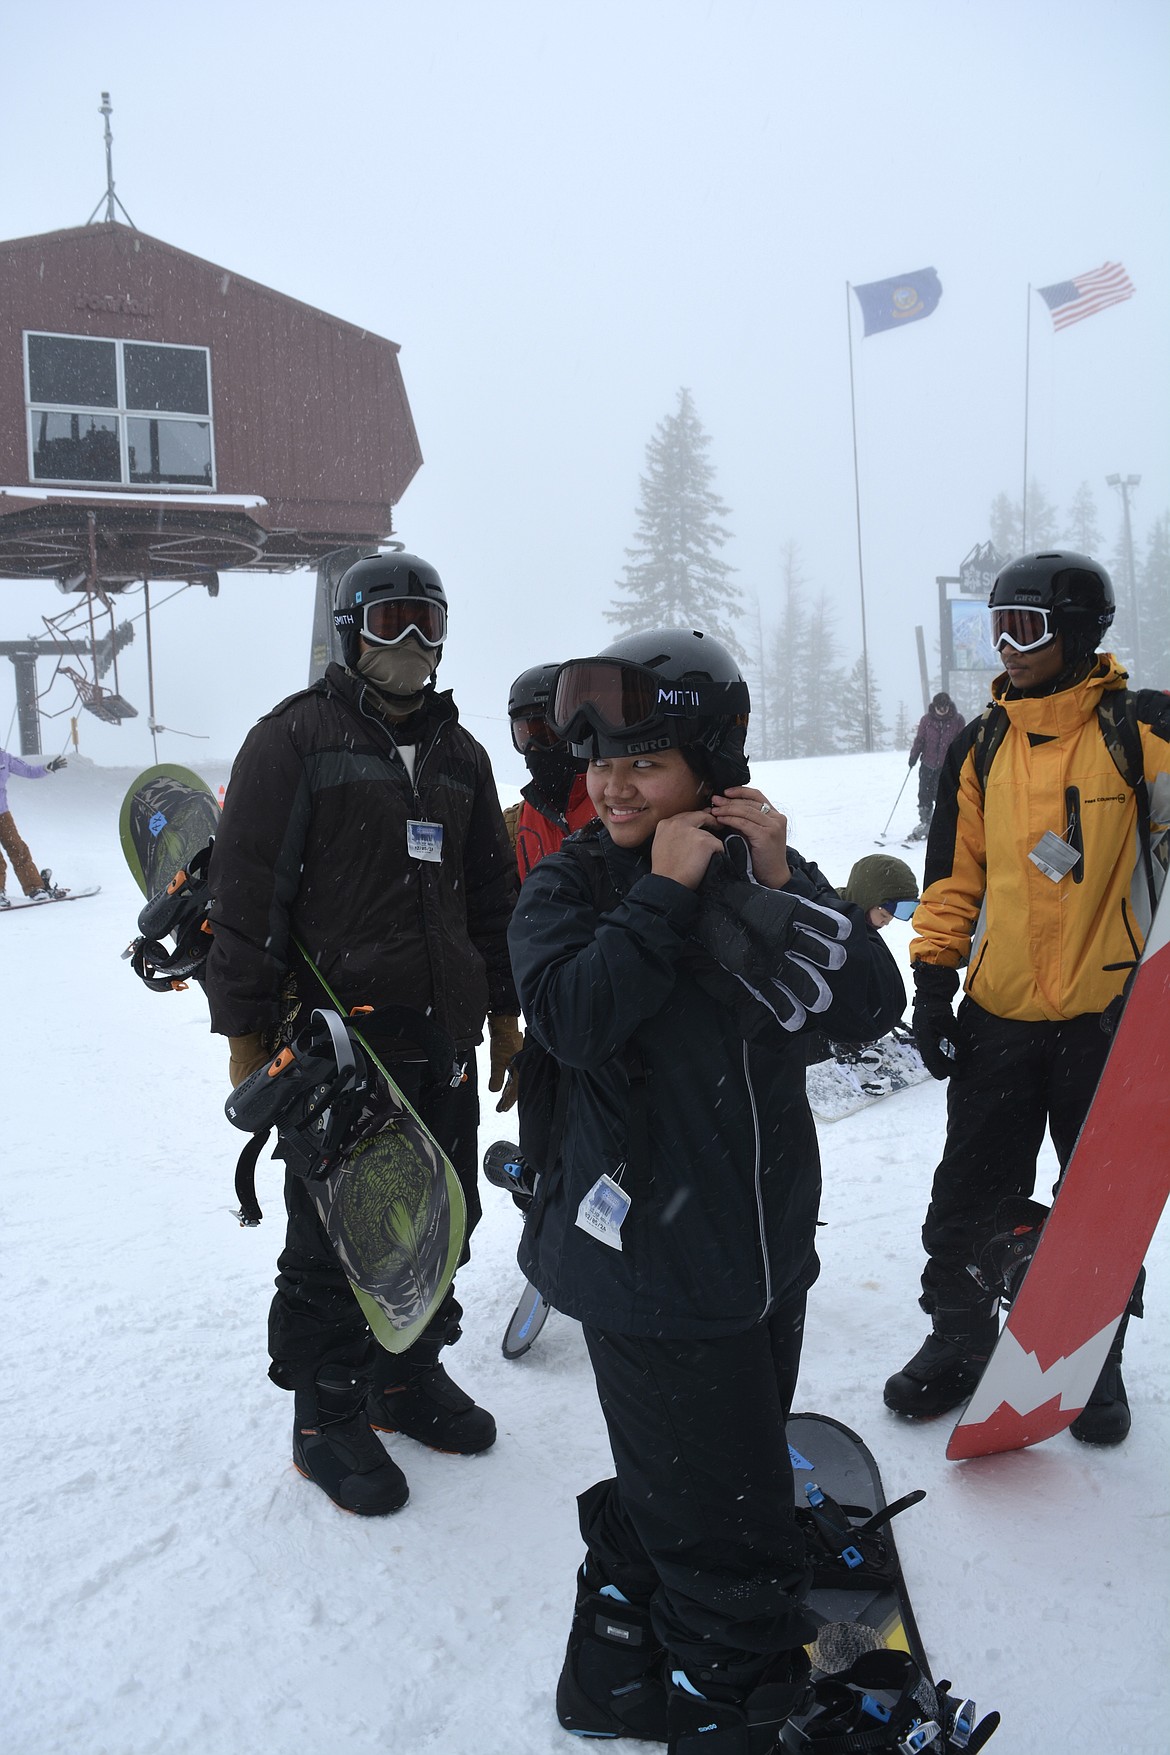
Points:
(388, 620)
(1022, 629)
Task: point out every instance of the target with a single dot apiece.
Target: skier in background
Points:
(556, 801)
(36, 885)
(363, 820)
(677, 1221)
(937, 730)
(1041, 885)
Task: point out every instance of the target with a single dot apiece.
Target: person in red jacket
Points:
(937, 730)
(555, 802)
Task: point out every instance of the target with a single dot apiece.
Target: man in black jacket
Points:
(362, 823)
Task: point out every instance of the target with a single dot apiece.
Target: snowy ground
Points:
(172, 1587)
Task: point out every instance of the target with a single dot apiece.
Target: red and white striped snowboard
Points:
(1077, 1286)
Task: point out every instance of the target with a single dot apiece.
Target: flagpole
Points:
(1027, 373)
(857, 507)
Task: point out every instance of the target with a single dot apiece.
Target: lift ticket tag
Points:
(1054, 857)
(425, 841)
(602, 1211)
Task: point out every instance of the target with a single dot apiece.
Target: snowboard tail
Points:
(1078, 1284)
(852, 1078)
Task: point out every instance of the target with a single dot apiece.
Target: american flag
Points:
(1085, 294)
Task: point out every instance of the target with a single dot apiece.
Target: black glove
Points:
(911, 761)
(779, 944)
(936, 1034)
(57, 762)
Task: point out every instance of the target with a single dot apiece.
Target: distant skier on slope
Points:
(1038, 879)
(37, 885)
(677, 1220)
(938, 728)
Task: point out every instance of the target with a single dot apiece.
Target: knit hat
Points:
(880, 878)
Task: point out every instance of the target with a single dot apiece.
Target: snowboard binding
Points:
(884, 1701)
(313, 1092)
(178, 912)
(1004, 1259)
(845, 1543)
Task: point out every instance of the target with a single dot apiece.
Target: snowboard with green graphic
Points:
(389, 1197)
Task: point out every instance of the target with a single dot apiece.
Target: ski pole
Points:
(901, 790)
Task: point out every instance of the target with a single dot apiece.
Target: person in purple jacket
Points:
(941, 723)
(34, 883)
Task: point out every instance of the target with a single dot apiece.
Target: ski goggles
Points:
(388, 620)
(529, 729)
(1022, 629)
(616, 699)
(903, 909)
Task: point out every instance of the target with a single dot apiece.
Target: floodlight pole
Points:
(1123, 483)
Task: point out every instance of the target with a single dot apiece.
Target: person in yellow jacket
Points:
(1038, 880)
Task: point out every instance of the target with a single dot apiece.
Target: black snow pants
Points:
(314, 1319)
(1014, 1079)
(927, 791)
(699, 1520)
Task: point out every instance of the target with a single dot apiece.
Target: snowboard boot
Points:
(4, 902)
(1105, 1417)
(334, 1447)
(413, 1394)
(721, 1721)
(945, 1370)
(612, 1682)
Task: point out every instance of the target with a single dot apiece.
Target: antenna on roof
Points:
(111, 200)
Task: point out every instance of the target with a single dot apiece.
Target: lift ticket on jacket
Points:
(602, 1211)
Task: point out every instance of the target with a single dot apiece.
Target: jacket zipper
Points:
(759, 1187)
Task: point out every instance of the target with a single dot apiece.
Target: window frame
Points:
(119, 412)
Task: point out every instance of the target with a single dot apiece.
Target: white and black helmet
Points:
(411, 592)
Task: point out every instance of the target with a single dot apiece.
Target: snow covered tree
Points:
(1007, 533)
(674, 576)
(817, 694)
(1154, 596)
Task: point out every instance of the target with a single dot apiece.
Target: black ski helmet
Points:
(1075, 590)
(376, 576)
(686, 693)
(531, 690)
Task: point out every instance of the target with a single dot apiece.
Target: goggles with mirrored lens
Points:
(615, 699)
(529, 729)
(901, 910)
(388, 620)
(1023, 629)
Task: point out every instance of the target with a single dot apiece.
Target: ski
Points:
(1074, 1294)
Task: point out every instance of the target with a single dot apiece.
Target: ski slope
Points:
(172, 1586)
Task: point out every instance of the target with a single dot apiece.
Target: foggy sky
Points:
(563, 212)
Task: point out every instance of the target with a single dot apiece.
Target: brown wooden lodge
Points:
(162, 418)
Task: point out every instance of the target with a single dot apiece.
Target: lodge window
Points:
(118, 412)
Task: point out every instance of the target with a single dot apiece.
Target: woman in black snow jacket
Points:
(668, 959)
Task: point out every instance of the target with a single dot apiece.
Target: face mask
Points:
(401, 671)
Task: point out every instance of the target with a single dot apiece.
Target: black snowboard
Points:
(866, 1587)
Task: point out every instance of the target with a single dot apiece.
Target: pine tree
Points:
(788, 651)
(674, 577)
(817, 701)
(851, 727)
(1084, 533)
(1007, 532)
